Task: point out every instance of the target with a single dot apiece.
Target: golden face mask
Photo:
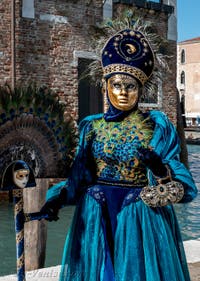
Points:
(21, 177)
(123, 91)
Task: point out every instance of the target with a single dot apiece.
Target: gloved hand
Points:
(51, 208)
(153, 161)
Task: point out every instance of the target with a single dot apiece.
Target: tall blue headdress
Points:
(128, 52)
(131, 48)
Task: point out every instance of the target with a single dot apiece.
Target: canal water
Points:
(188, 216)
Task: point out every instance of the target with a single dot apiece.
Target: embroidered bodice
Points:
(114, 148)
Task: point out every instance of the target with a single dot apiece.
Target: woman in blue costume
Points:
(117, 234)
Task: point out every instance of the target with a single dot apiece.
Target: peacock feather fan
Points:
(33, 129)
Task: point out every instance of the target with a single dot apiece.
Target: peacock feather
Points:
(33, 129)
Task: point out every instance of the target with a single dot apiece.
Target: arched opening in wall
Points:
(182, 107)
(183, 77)
(183, 56)
(90, 98)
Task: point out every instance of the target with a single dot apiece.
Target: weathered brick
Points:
(44, 46)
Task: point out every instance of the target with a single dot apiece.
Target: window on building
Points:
(183, 77)
(28, 9)
(182, 56)
(154, 99)
(107, 9)
(156, 1)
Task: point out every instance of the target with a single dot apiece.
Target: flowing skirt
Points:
(114, 236)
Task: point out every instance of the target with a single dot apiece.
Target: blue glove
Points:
(50, 209)
(152, 161)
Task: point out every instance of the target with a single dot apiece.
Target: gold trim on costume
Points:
(120, 184)
(20, 262)
(19, 206)
(17, 192)
(19, 236)
(136, 72)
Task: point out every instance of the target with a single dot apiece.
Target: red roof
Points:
(196, 39)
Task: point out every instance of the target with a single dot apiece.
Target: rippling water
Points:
(7, 239)
(188, 216)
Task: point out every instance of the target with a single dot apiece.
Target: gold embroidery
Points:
(115, 148)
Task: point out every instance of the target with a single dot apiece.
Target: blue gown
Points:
(114, 236)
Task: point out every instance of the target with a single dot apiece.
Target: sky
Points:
(188, 19)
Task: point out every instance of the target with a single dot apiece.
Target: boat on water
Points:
(192, 135)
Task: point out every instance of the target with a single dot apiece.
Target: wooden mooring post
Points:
(31, 232)
(35, 230)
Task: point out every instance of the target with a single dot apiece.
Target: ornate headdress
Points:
(132, 47)
(128, 51)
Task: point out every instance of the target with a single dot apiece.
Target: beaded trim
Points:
(112, 68)
(120, 184)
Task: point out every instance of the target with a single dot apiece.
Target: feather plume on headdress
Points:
(101, 35)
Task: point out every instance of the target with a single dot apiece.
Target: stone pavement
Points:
(52, 274)
(44, 274)
(192, 250)
(194, 271)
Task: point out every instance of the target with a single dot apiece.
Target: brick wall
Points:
(46, 46)
(170, 105)
(5, 41)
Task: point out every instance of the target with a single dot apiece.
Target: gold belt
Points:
(133, 185)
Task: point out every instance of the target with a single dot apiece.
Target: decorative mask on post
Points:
(21, 177)
(17, 175)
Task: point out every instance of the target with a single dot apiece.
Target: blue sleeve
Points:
(165, 141)
(54, 192)
(81, 173)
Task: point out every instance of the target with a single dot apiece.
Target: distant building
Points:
(188, 79)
